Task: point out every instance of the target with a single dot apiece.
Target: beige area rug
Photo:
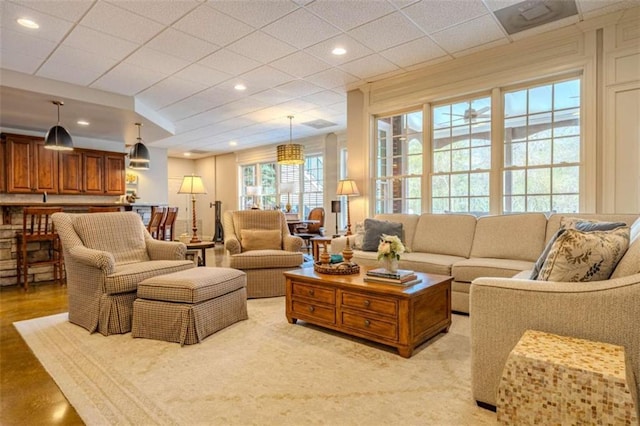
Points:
(261, 371)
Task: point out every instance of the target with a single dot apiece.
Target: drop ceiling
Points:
(173, 65)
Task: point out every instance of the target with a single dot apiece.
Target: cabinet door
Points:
(70, 177)
(3, 164)
(93, 176)
(45, 169)
(114, 174)
(19, 164)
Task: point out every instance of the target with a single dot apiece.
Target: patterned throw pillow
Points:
(585, 256)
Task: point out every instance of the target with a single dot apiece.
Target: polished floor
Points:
(28, 395)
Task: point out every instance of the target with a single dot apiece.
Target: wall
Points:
(608, 45)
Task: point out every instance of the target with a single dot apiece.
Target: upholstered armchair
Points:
(259, 243)
(106, 255)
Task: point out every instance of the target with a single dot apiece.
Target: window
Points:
(399, 163)
(248, 179)
(542, 148)
(461, 157)
(269, 186)
(313, 183)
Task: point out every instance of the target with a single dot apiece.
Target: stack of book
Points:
(400, 277)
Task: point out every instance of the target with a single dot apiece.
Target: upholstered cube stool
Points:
(187, 306)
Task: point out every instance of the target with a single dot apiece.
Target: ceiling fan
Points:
(471, 114)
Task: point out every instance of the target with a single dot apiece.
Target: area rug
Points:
(261, 371)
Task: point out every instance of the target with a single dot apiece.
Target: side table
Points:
(202, 246)
(316, 243)
(551, 379)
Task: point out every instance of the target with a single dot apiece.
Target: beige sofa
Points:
(467, 247)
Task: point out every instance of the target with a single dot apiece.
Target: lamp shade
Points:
(291, 154)
(140, 153)
(335, 206)
(139, 165)
(57, 138)
(254, 190)
(347, 187)
(288, 187)
(192, 185)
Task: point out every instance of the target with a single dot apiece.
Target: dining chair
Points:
(157, 216)
(168, 224)
(313, 227)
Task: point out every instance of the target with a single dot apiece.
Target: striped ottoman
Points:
(187, 306)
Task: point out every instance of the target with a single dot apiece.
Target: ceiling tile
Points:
(273, 96)
(261, 47)
(500, 4)
(156, 61)
(70, 10)
(51, 28)
(256, 13)
(229, 62)
(386, 32)
(18, 42)
(120, 23)
(348, 14)
(300, 64)
(436, 15)
(203, 75)
(17, 61)
(333, 78)
(301, 29)
(168, 91)
(413, 52)
(472, 33)
(326, 97)
(181, 45)
(264, 78)
(77, 63)
(212, 26)
(127, 79)
(354, 49)
(369, 66)
(91, 40)
(299, 88)
(165, 12)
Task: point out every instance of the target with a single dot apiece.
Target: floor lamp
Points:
(193, 185)
(335, 208)
(348, 188)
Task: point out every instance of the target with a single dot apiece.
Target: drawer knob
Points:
(311, 292)
(311, 309)
(367, 323)
(367, 303)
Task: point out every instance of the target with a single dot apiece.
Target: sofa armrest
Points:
(165, 250)
(501, 309)
(98, 259)
(232, 245)
(292, 243)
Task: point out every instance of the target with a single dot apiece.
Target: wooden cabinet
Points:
(30, 168)
(90, 172)
(3, 162)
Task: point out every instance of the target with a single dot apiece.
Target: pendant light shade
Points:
(291, 153)
(57, 137)
(139, 154)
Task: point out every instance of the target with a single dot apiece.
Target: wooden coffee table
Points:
(398, 316)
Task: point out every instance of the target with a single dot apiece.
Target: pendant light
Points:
(291, 153)
(139, 154)
(57, 137)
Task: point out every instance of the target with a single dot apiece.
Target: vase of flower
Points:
(389, 251)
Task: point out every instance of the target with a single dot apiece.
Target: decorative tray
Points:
(342, 268)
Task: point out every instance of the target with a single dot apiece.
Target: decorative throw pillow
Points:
(572, 223)
(358, 236)
(260, 239)
(373, 230)
(584, 256)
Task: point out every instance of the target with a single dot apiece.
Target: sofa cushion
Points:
(575, 223)
(431, 263)
(260, 239)
(450, 234)
(630, 262)
(121, 234)
(513, 236)
(374, 229)
(127, 276)
(261, 259)
(585, 256)
(468, 270)
(409, 223)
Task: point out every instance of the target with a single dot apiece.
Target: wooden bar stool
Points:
(168, 224)
(37, 227)
(157, 217)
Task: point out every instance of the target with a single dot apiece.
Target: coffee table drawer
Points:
(368, 303)
(375, 327)
(320, 294)
(308, 310)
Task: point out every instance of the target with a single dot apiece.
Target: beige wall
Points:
(608, 45)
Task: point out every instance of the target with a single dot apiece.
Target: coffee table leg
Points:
(292, 320)
(405, 351)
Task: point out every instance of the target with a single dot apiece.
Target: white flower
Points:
(390, 247)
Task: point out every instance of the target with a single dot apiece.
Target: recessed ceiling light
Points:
(338, 51)
(83, 122)
(240, 87)
(28, 23)
(187, 154)
(233, 143)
